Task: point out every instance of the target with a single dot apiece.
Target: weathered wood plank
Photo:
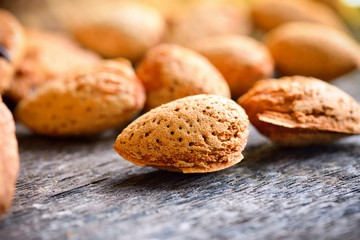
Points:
(81, 189)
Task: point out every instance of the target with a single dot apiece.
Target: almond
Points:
(12, 47)
(196, 134)
(309, 49)
(119, 29)
(333, 4)
(205, 19)
(9, 158)
(301, 111)
(240, 59)
(269, 14)
(88, 100)
(170, 72)
(48, 55)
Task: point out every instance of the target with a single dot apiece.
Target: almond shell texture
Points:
(301, 111)
(170, 72)
(196, 134)
(88, 100)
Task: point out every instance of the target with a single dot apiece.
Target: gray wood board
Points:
(81, 189)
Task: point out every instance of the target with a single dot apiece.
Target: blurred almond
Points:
(87, 100)
(209, 18)
(48, 55)
(170, 72)
(240, 59)
(309, 49)
(120, 29)
(9, 158)
(269, 14)
(12, 47)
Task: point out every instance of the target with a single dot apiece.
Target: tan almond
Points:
(269, 14)
(47, 56)
(170, 72)
(196, 134)
(240, 59)
(120, 29)
(87, 100)
(12, 47)
(308, 49)
(301, 111)
(9, 158)
(333, 4)
(206, 18)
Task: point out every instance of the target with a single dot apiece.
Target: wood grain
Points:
(81, 189)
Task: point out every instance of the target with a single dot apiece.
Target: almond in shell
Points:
(48, 55)
(196, 134)
(170, 72)
(87, 100)
(308, 49)
(210, 18)
(240, 59)
(269, 14)
(119, 28)
(12, 47)
(9, 158)
(297, 111)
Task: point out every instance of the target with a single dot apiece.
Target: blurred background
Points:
(56, 15)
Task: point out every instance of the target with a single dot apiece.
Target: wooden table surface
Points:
(81, 189)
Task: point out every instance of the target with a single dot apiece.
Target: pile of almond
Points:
(180, 72)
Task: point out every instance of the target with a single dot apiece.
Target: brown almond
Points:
(205, 19)
(47, 56)
(333, 4)
(87, 100)
(170, 72)
(12, 47)
(240, 59)
(9, 158)
(120, 29)
(309, 49)
(196, 134)
(269, 14)
(301, 111)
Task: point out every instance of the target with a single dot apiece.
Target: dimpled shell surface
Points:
(301, 111)
(314, 50)
(207, 18)
(13, 42)
(170, 72)
(240, 59)
(9, 158)
(202, 133)
(121, 29)
(269, 14)
(48, 55)
(87, 100)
